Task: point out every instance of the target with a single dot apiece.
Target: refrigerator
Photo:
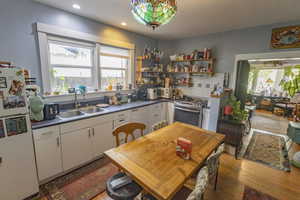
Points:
(18, 174)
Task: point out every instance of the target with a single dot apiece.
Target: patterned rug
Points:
(251, 194)
(268, 149)
(82, 184)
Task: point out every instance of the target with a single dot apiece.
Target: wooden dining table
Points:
(152, 162)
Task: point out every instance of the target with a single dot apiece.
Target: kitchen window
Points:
(114, 66)
(70, 59)
(71, 65)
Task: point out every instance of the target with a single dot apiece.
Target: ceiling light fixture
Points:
(153, 12)
(124, 24)
(76, 6)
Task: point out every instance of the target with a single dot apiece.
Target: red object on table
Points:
(184, 148)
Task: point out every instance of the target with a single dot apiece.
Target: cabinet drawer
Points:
(156, 107)
(46, 133)
(121, 118)
(74, 126)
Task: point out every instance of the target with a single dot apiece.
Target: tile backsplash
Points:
(203, 85)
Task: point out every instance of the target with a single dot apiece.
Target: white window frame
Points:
(74, 43)
(47, 32)
(127, 70)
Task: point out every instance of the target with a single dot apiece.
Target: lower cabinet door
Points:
(76, 148)
(140, 115)
(103, 138)
(48, 152)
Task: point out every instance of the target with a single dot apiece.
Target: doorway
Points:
(267, 86)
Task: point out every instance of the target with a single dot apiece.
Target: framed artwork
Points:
(286, 37)
(3, 83)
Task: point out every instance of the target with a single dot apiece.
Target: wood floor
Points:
(235, 174)
(267, 121)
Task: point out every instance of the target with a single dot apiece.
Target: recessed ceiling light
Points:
(124, 24)
(76, 6)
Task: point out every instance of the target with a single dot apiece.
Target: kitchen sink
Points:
(71, 113)
(91, 109)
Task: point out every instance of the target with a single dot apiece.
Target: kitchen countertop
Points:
(108, 110)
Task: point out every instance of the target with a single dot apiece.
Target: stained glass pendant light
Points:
(153, 12)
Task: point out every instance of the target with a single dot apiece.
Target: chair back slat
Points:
(128, 130)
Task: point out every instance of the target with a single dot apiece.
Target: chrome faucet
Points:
(76, 102)
(75, 92)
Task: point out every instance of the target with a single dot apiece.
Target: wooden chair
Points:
(131, 190)
(198, 190)
(212, 163)
(128, 129)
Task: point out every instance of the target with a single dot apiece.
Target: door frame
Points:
(256, 56)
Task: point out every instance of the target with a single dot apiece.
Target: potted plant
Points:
(233, 111)
(291, 80)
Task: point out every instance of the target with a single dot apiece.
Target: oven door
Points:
(188, 116)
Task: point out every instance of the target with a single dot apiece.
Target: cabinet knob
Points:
(1, 160)
(93, 132)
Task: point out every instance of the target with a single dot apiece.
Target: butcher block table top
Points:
(152, 161)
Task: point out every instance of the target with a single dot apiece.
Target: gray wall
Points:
(227, 44)
(17, 40)
(18, 45)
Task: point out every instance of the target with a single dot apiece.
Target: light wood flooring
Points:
(267, 121)
(235, 174)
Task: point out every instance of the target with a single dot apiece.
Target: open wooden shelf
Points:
(192, 73)
(194, 60)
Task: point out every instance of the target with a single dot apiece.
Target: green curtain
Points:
(243, 69)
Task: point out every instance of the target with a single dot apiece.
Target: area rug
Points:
(82, 184)
(268, 149)
(251, 194)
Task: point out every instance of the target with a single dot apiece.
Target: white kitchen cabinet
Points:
(76, 147)
(170, 117)
(141, 115)
(48, 152)
(121, 118)
(164, 112)
(155, 114)
(103, 139)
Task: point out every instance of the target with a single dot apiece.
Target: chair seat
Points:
(127, 192)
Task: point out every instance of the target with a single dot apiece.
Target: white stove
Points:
(190, 111)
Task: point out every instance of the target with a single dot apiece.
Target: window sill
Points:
(89, 95)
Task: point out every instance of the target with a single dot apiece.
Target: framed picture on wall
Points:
(286, 37)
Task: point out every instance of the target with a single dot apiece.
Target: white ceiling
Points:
(194, 17)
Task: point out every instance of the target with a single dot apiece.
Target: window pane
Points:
(63, 78)
(112, 77)
(70, 55)
(114, 50)
(113, 62)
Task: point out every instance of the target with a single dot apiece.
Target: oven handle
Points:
(187, 110)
